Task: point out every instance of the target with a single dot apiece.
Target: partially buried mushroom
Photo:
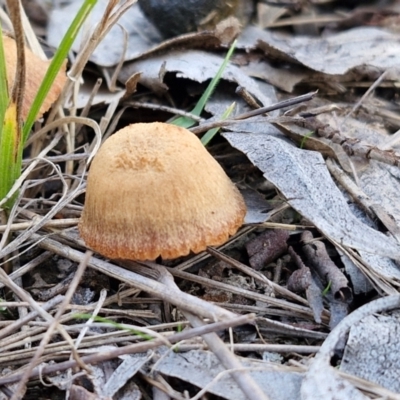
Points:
(154, 190)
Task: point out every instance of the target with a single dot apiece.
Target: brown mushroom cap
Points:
(36, 69)
(154, 190)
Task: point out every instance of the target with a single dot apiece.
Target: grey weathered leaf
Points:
(141, 34)
(335, 54)
(282, 78)
(257, 207)
(383, 267)
(195, 65)
(359, 281)
(201, 368)
(381, 183)
(131, 364)
(322, 380)
(302, 177)
(372, 351)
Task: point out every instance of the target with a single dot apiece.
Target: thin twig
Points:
(257, 275)
(134, 348)
(184, 301)
(52, 223)
(244, 380)
(53, 326)
(259, 111)
(29, 317)
(365, 95)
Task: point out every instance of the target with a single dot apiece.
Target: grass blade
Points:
(212, 132)
(186, 122)
(10, 153)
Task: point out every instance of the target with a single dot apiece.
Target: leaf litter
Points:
(324, 173)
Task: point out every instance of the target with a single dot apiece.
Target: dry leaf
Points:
(364, 47)
(141, 34)
(201, 367)
(302, 177)
(372, 351)
(195, 65)
(322, 379)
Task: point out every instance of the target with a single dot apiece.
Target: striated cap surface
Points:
(154, 190)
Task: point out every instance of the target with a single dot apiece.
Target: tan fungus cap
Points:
(154, 190)
(36, 69)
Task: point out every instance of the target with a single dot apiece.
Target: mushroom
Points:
(154, 190)
(36, 69)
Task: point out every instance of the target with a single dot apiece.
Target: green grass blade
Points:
(56, 63)
(327, 288)
(4, 98)
(186, 122)
(116, 325)
(212, 132)
(304, 140)
(10, 153)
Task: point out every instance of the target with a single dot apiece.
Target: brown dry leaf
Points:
(267, 247)
(35, 72)
(302, 280)
(321, 263)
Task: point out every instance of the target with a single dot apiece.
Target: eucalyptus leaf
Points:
(302, 177)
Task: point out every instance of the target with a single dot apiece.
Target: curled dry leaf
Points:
(327, 270)
(267, 247)
(35, 72)
(302, 280)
